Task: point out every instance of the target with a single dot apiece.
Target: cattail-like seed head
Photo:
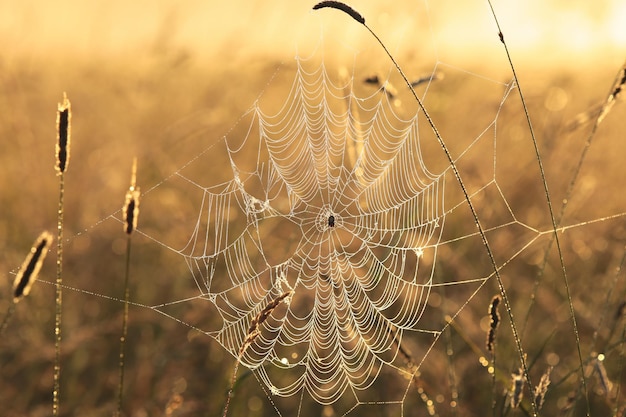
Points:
(130, 211)
(494, 316)
(343, 7)
(31, 266)
(64, 128)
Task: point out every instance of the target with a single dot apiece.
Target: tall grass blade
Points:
(64, 129)
(130, 214)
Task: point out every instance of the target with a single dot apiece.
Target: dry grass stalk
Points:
(130, 214)
(64, 128)
(131, 205)
(27, 275)
(542, 388)
(64, 116)
(253, 333)
(494, 316)
(517, 388)
(253, 329)
(620, 82)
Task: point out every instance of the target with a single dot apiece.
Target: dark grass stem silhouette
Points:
(64, 117)
(130, 214)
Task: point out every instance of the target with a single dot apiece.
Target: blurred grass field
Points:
(162, 93)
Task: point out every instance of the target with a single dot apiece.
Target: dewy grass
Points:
(64, 117)
(130, 213)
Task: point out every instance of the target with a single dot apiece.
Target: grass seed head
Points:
(131, 205)
(27, 274)
(494, 316)
(64, 128)
(343, 7)
(253, 329)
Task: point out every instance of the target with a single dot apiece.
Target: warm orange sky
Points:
(546, 29)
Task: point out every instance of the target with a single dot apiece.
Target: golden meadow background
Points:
(162, 80)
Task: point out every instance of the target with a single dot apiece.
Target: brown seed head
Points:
(253, 329)
(343, 7)
(31, 266)
(130, 211)
(494, 322)
(64, 128)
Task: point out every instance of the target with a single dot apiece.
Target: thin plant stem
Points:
(232, 386)
(253, 332)
(124, 328)
(552, 215)
(62, 150)
(58, 301)
(620, 79)
(7, 318)
(470, 205)
(130, 212)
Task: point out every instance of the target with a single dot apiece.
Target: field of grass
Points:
(168, 103)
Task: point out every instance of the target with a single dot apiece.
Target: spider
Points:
(331, 221)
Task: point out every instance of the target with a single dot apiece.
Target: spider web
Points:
(332, 196)
(341, 181)
(326, 197)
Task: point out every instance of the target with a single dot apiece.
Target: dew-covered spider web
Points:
(330, 201)
(318, 244)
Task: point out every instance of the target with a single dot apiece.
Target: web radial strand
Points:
(339, 209)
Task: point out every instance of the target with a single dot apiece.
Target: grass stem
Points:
(130, 212)
(122, 358)
(58, 302)
(64, 117)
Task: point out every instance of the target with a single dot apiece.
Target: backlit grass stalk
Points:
(27, 275)
(496, 270)
(254, 330)
(556, 220)
(130, 213)
(64, 117)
